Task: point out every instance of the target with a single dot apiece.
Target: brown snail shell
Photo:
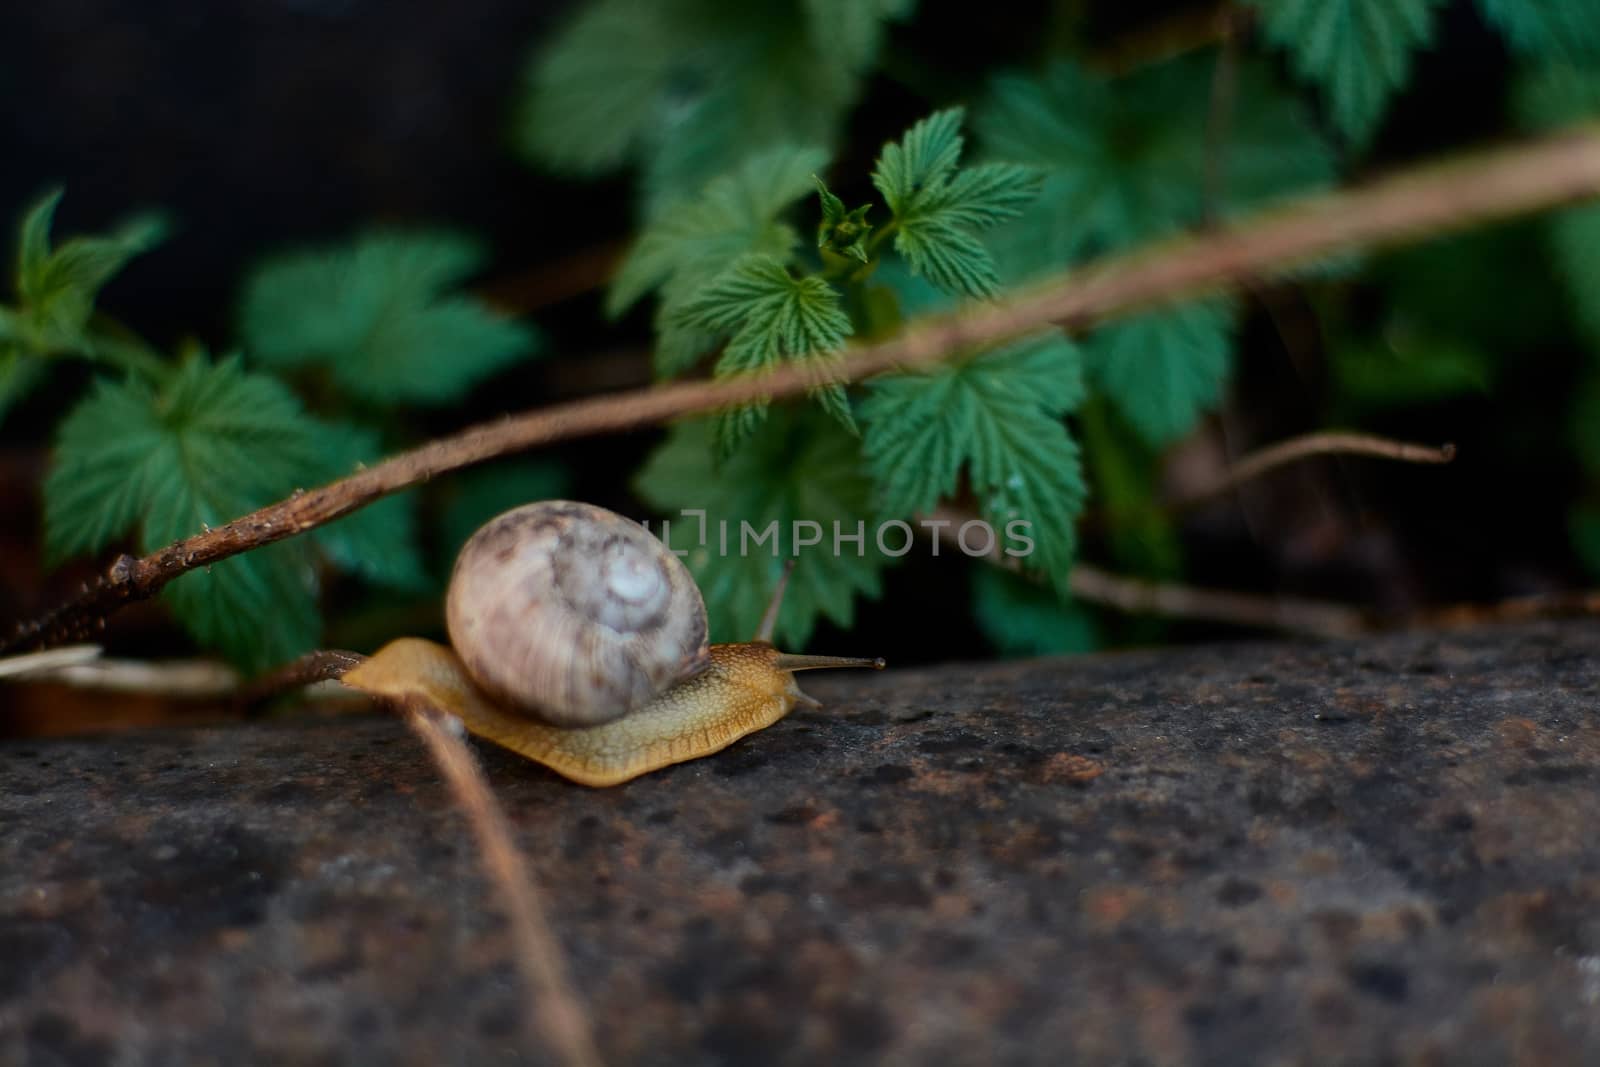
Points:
(573, 614)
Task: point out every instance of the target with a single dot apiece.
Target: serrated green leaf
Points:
(379, 314)
(987, 194)
(773, 316)
(948, 256)
(1358, 52)
(688, 88)
(759, 485)
(594, 96)
(56, 288)
(688, 246)
(912, 169)
(997, 417)
(735, 215)
(209, 446)
(1163, 369)
(33, 241)
(1551, 97)
(842, 231)
(379, 542)
(937, 209)
(1561, 29)
(1024, 619)
(1125, 159)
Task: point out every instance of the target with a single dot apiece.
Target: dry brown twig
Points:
(554, 1010)
(1429, 199)
(1333, 443)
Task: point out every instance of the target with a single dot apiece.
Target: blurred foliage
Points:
(754, 250)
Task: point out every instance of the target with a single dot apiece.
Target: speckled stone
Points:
(1384, 851)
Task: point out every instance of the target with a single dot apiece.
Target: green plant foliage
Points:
(796, 467)
(1025, 619)
(938, 209)
(379, 542)
(998, 418)
(1125, 159)
(1407, 371)
(689, 88)
(843, 231)
(165, 463)
(1163, 370)
(1554, 96)
(685, 248)
(1358, 52)
(380, 316)
(771, 315)
(56, 287)
(1566, 29)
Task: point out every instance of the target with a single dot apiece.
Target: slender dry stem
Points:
(1313, 444)
(553, 1003)
(1425, 200)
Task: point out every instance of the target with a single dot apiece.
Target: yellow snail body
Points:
(579, 641)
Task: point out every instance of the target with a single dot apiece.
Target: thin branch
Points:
(31, 664)
(196, 679)
(1316, 618)
(319, 666)
(1313, 444)
(554, 1005)
(1135, 596)
(1425, 200)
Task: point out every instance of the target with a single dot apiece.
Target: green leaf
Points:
(795, 468)
(1125, 160)
(1025, 619)
(478, 495)
(735, 215)
(1358, 52)
(998, 418)
(688, 246)
(1548, 28)
(379, 542)
(57, 288)
(938, 209)
(913, 169)
(1403, 370)
(1555, 96)
(773, 316)
(19, 375)
(380, 315)
(1458, 288)
(213, 444)
(1163, 369)
(33, 241)
(689, 88)
(843, 231)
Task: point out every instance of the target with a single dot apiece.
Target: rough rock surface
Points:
(1377, 852)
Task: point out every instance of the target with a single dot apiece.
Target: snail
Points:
(579, 640)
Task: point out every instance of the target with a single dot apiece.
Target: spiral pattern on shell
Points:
(573, 614)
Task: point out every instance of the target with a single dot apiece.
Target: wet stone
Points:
(1349, 853)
